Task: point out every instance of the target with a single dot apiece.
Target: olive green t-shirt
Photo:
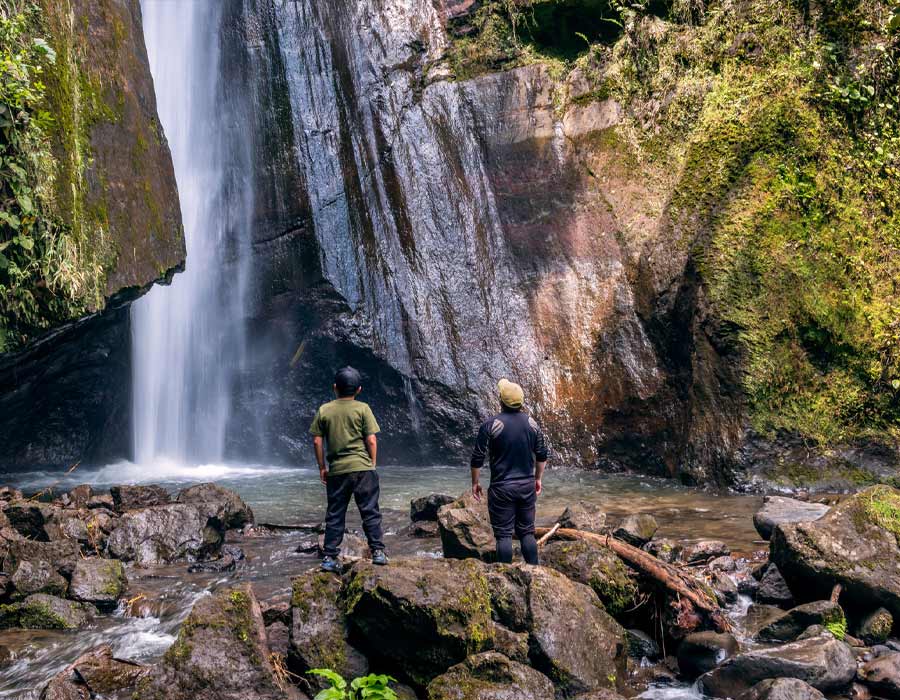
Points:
(345, 423)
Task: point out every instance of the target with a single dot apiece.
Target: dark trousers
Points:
(511, 505)
(363, 487)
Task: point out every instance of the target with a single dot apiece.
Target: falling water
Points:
(189, 338)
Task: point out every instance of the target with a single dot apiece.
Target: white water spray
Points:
(189, 338)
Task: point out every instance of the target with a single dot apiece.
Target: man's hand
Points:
(477, 491)
(323, 475)
(538, 487)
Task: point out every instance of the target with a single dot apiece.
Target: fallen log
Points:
(673, 578)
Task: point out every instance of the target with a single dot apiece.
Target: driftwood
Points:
(552, 531)
(673, 578)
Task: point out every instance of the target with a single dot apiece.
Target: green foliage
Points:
(371, 687)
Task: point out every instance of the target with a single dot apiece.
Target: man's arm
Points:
(479, 453)
(538, 475)
(476, 483)
(319, 447)
(541, 455)
(372, 448)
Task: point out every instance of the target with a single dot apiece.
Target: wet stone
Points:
(773, 589)
(583, 516)
(133, 497)
(703, 651)
(426, 508)
(637, 529)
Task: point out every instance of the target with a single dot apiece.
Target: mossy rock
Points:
(46, 612)
(594, 566)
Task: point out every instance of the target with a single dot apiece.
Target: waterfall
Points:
(189, 338)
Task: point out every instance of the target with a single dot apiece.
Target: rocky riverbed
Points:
(147, 592)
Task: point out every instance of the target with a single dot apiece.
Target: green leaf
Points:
(896, 384)
(45, 48)
(26, 243)
(11, 220)
(331, 694)
(335, 679)
(25, 203)
(4, 262)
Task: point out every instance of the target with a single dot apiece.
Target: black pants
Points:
(511, 505)
(363, 487)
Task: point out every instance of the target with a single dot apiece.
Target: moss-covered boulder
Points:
(855, 545)
(220, 654)
(595, 566)
(490, 676)
(795, 621)
(318, 628)
(46, 612)
(875, 627)
(422, 615)
(100, 582)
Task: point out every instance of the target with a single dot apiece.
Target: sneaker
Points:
(379, 558)
(331, 565)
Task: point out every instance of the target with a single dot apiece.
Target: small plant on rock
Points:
(371, 687)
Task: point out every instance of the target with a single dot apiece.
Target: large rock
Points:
(824, 662)
(427, 507)
(854, 544)
(637, 529)
(782, 689)
(96, 673)
(46, 612)
(583, 516)
(792, 624)
(424, 615)
(100, 582)
(163, 534)
(773, 589)
(223, 503)
(490, 676)
(318, 631)
(466, 529)
(132, 497)
(595, 566)
(780, 510)
(703, 651)
(28, 518)
(875, 627)
(40, 566)
(882, 675)
(571, 638)
(37, 576)
(220, 654)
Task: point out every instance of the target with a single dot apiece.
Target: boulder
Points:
(466, 529)
(703, 651)
(353, 547)
(641, 645)
(773, 589)
(28, 518)
(637, 529)
(422, 615)
(705, 550)
(573, 640)
(595, 566)
(220, 654)
(725, 587)
(824, 662)
(40, 566)
(163, 534)
(664, 549)
(100, 582)
(94, 674)
(780, 510)
(37, 576)
(46, 612)
(102, 500)
(490, 676)
(427, 507)
(224, 504)
(875, 627)
(8, 494)
(127, 498)
(854, 544)
(318, 629)
(80, 496)
(725, 564)
(782, 689)
(792, 624)
(882, 675)
(759, 616)
(425, 529)
(583, 516)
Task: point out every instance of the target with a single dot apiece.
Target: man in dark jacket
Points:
(517, 453)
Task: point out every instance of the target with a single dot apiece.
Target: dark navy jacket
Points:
(512, 440)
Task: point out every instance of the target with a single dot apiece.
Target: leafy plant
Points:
(371, 687)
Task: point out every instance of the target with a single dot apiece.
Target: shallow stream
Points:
(289, 496)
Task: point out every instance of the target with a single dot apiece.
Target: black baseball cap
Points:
(347, 381)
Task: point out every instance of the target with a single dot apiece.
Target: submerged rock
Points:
(466, 529)
(223, 504)
(782, 689)
(854, 544)
(94, 674)
(319, 629)
(490, 676)
(595, 566)
(637, 529)
(220, 654)
(795, 621)
(46, 612)
(703, 651)
(163, 534)
(780, 510)
(130, 497)
(100, 582)
(427, 507)
(823, 662)
(583, 516)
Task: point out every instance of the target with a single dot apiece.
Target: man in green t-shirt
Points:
(344, 430)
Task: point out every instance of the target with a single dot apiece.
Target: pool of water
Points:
(292, 496)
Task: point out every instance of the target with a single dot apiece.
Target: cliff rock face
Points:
(64, 394)
(442, 234)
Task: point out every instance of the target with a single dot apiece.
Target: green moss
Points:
(33, 615)
(880, 505)
(838, 628)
